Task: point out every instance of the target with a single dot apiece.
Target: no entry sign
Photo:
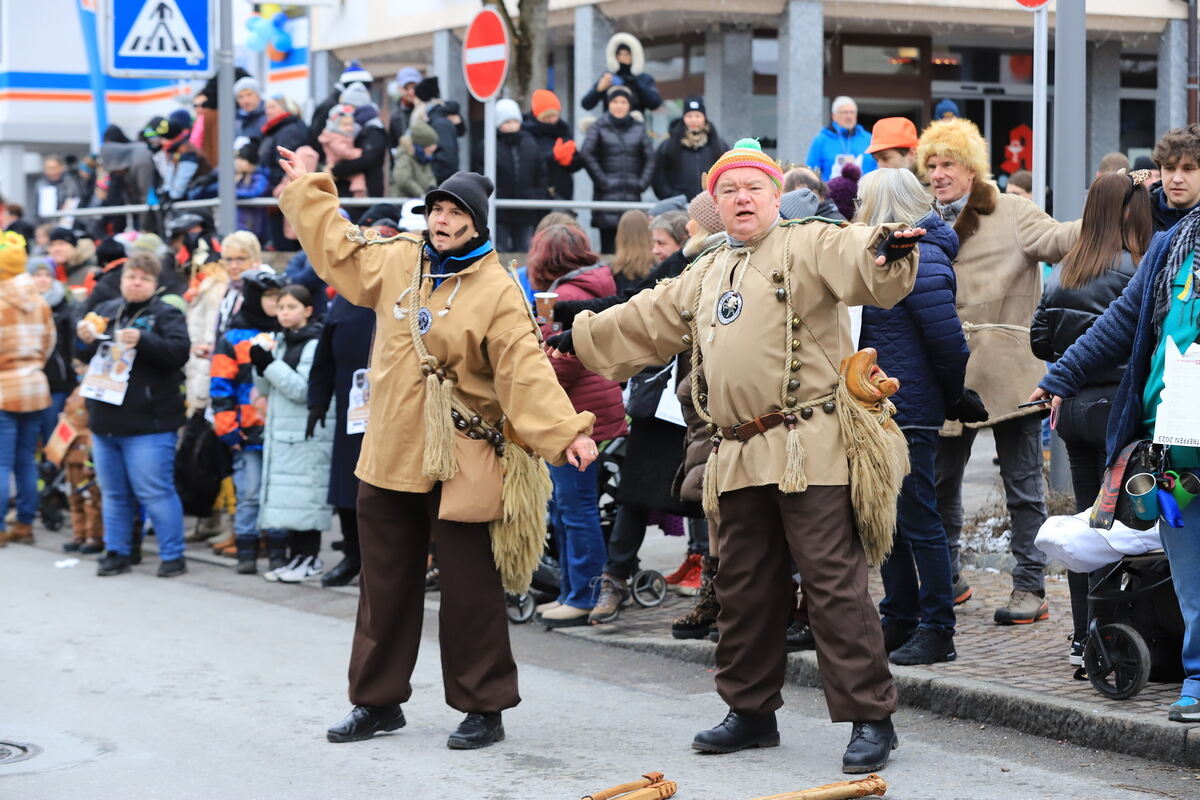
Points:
(1033, 5)
(485, 55)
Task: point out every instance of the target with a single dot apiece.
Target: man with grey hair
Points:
(843, 141)
(669, 232)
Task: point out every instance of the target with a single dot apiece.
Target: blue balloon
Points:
(282, 41)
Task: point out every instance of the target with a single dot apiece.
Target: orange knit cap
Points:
(12, 255)
(745, 153)
(545, 100)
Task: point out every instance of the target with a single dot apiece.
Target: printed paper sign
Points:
(358, 406)
(1178, 421)
(108, 373)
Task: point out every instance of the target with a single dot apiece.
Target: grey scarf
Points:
(54, 295)
(1187, 238)
(950, 211)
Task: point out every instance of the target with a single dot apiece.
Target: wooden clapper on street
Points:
(653, 786)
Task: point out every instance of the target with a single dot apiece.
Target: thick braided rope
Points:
(786, 269)
(694, 329)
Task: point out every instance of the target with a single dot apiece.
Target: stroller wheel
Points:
(519, 607)
(1117, 661)
(649, 588)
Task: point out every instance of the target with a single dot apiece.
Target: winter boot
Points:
(20, 532)
(613, 594)
(697, 622)
(1023, 608)
(927, 646)
(247, 555)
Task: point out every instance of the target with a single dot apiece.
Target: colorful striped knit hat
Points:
(745, 153)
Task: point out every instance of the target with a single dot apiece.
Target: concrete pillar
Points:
(592, 32)
(728, 83)
(448, 67)
(800, 93)
(1103, 101)
(1171, 103)
(13, 184)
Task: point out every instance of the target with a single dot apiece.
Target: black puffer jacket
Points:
(1064, 315)
(681, 159)
(620, 158)
(560, 185)
(154, 398)
(445, 158)
(288, 131)
(520, 174)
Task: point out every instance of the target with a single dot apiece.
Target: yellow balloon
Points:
(269, 10)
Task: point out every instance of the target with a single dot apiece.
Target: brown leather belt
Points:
(748, 430)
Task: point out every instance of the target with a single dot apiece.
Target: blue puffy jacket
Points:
(920, 340)
(834, 140)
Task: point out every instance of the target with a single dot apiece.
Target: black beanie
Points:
(377, 212)
(469, 191)
(64, 235)
(694, 103)
(428, 89)
(617, 89)
(109, 250)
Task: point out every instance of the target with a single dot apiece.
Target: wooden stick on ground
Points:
(649, 779)
(655, 791)
(872, 785)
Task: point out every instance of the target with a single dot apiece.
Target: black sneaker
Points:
(927, 646)
(112, 563)
(172, 567)
(1075, 658)
(799, 637)
(72, 547)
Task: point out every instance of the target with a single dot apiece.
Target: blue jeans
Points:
(133, 471)
(50, 415)
(247, 480)
(918, 589)
(576, 519)
(18, 446)
(1183, 551)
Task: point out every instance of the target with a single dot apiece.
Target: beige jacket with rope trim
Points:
(487, 342)
(748, 363)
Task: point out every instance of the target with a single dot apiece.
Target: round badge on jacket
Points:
(729, 307)
(424, 320)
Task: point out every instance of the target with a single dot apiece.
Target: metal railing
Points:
(269, 202)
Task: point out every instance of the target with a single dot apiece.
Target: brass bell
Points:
(791, 402)
(781, 295)
(710, 429)
(806, 413)
(828, 407)
(454, 414)
(795, 365)
(687, 315)
(687, 339)
(795, 344)
(500, 451)
(703, 399)
(777, 276)
(795, 322)
(460, 423)
(474, 435)
(789, 419)
(793, 385)
(475, 420)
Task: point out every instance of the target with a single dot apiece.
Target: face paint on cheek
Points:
(461, 231)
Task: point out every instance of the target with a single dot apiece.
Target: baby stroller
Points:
(1136, 632)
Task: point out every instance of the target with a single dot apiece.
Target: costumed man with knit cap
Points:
(460, 392)
(764, 316)
(1003, 239)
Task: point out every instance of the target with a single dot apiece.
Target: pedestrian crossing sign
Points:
(159, 38)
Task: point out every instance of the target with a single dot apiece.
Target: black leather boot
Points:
(343, 573)
(871, 744)
(247, 555)
(363, 722)
(479, 729)
(738, 731)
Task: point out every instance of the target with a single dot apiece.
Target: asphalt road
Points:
(216, 685)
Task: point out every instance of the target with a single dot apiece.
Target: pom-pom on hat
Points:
(844, 189)
(745, 153)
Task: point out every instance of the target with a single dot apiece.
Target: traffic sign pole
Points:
(1041, 130)
(226, 191)
(489, 156)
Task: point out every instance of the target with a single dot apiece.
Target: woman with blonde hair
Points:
(920, 342)
(634, 250)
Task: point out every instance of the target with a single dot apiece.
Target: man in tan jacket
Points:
(1003, 240)
(764, 314)
(457, 372)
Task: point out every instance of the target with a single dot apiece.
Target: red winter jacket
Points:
(587, 390)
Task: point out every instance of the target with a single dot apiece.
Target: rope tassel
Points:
(794, 477)
(709, 495)
(518, 537)
(439, 462)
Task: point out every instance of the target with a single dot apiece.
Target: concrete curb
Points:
(982, 701)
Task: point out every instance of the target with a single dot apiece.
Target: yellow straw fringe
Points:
(519, 537)
(794, 478)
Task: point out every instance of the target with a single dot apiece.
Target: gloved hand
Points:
(967, 408)
(261, 358)
(562, 342)
(564, 152)
(897, 246)
(315, 415)
(565, 311)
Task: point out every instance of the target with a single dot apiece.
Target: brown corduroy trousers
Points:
(478, 671)
(760, 528)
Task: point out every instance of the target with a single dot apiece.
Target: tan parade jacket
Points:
(750, 361)
(1003, 238)
(486, 342)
